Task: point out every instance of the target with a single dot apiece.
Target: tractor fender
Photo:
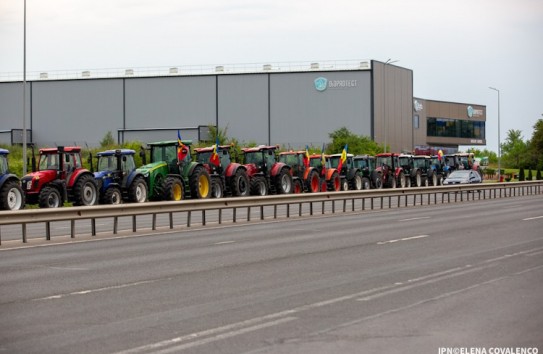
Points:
(133, 176)
(60, 185)
(308, 171)
(329, 173)
(277, 167)
(75, 176)
(8, 178)
(252, 170)
(233, 168)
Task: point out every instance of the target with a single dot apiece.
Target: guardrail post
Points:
(203, 217)
(389, 202)
(189, 214)
(344, 205)
(275, 211)
(248, 213)
(262, 212)
(115, 224)
(288, 210)
(300, 209)
(134, 227)
(363, 204)
(352, 204)
(48, 231)
(333, 206)
(382, 203)
(322, 207)
(93, 227)
(371, 203)
(72, 228)
(233, 215)
(23, 225)
(220, 216)
(171, 220)
(153, 227)
(311, 208)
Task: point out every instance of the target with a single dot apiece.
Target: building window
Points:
(416, 120)
(455, 128)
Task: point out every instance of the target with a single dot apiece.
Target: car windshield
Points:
(459, 174)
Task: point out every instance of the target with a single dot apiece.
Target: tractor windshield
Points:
(49, 162)
(106, 163)
(315, 162)
(360, 163)
(167, 153)
(334, 161)
(203, 157)
(3, 165)
(384, 160)
(289, 159)
(254, 158)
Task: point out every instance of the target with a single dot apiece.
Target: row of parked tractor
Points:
(173, 173)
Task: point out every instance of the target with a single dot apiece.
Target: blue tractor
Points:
(11, 194)
(118, 178)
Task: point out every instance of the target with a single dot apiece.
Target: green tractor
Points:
(172, 175)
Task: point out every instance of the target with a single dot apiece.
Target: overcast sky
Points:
(456, 49)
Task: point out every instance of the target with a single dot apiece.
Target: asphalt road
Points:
(410, 280)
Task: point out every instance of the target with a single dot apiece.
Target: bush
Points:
(538, 175)
(530, 177)
(521, 176)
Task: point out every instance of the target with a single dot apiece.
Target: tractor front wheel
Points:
(283, 183)
(334, 184)
(50, 198)
(258, 186)
(173, 189)
(240, 184)
(313, 182)
(217, 189)
(11, 196)
(200, 184)
(112, 195)
(85, 190)
(137, 192)
(298, 188)
(356, 182)
(366, 183)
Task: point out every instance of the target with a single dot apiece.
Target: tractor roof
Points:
(363, 157)
(4, 152)
(317, 156)
(112, 152)
(169, 142)
(339, 155)
(56, 150)
(292, 153)
(421, 157)
(258, 148)
(386, 154)
(210, 148)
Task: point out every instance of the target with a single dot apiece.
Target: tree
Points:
(107, 141)
(514, 150)
(535, 146)
(521, 176)
(356, 144)
(530, 176)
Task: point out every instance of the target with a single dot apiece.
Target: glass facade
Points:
(455, 128)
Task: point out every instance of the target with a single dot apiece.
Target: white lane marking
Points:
(90, 291)
(402, 239)
(224, 242)
(419, 218)
(178, 348)
(535, 217)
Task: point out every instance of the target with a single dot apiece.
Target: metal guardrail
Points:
(358, 200)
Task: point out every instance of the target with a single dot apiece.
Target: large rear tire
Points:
(334, 184)
(200, 183)
(49, 198)
(85, 191)
(11, 196)
(356, 182)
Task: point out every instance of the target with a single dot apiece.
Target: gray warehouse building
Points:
(290, 105)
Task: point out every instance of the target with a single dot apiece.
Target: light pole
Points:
(499, 142)
(385, 121)
(24, 90)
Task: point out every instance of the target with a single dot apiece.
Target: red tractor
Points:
(392, 173)
(266, 174)
(60, 177)
(306, 177)
(227, 177)
(330, 180)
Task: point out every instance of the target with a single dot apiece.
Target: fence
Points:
(279, 206)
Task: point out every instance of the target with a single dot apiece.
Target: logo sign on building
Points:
(321, 83)
(418, 106)
(472, 112)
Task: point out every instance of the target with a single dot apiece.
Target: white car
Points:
(462, 177)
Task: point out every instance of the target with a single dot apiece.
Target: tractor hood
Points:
(33, 180)
(102, 174)
(150, 167)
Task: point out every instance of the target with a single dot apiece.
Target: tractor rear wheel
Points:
(258, 186)
(11, 196)
(324, 185)
(49, 198)
(313, 182)
(137, 192)
(356, 182)
(366, 183)
(434, 179)
(240, 184)
(283, 182)
(200, 183)
(112, 195)
(402, 180)
(418, 179)
(344, 184)
(85, 190)
(173, 189)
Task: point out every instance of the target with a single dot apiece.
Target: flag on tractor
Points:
(323, 161)
(342, 159)
(306, 157)
(439, 155)
(215, 155)
(181, 148)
